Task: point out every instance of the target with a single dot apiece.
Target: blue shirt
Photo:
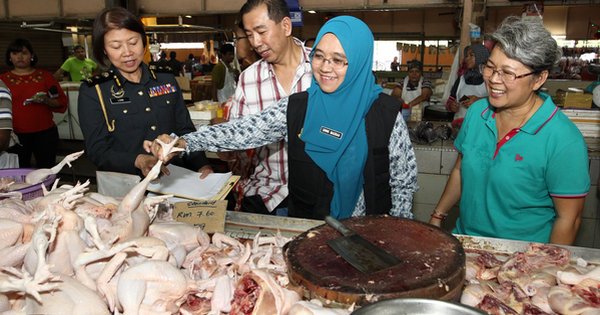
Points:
(508, 185)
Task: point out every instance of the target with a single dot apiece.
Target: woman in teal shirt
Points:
(522, 169)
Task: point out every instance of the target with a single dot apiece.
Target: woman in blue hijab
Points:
(349, 153)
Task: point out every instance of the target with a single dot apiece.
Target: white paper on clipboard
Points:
(187, 184)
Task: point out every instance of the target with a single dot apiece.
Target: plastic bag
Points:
(9, 160)
(115, 184)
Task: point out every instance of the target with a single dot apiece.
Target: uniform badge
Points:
(161, 90)
(118, 95)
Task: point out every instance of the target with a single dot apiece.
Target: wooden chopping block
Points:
(433, 263)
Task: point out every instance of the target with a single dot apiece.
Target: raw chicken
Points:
(70, 297)
(153, 287)
(37, 176)
(258, 293)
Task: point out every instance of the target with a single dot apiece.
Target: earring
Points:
(31, 58)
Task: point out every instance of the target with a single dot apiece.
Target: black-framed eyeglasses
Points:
(506, 76)
(336, 63)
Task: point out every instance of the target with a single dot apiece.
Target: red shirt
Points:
(32, 117)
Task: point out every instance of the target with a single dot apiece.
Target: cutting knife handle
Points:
(338, 226)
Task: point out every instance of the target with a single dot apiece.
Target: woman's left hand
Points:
(205, 170)
(156, 149)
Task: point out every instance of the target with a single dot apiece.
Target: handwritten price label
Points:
(209, 215)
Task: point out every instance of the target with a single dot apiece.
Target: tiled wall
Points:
(436, 161)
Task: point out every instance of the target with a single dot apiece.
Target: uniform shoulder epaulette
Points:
(160, 69)
(97, 79)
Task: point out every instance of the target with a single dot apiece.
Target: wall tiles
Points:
(428, 161)
(597, 235)
(591, 207)
(594, 170)
(587, 233)
(431, 188)
(422, 211)
(448, 161)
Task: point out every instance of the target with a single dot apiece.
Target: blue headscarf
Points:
(334, 126)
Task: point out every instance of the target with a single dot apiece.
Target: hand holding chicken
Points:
(165, 147)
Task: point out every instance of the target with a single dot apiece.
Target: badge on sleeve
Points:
(161, 90)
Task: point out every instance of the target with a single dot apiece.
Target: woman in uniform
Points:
(349, 153)
(130, 103)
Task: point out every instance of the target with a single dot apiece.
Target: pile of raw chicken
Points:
(77, 252)
(540, 280)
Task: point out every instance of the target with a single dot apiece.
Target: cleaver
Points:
(359, 252)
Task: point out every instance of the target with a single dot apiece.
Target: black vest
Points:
(310, 191)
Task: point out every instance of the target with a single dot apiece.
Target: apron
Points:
(228, 87)
(408, 96)
(465, 89)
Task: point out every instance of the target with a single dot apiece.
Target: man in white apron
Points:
(416, 90)
(224, 79)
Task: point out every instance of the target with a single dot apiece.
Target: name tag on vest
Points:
(119, 100)
(331, 132)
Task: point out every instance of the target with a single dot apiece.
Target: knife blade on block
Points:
(357, 251)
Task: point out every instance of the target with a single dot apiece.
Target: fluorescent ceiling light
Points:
(181, 45)
(312, 11)
(188, 16)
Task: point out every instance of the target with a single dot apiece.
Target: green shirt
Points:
(79, 69)
(507, 186)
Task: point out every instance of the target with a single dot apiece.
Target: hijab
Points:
(334, 126)
(473, 76)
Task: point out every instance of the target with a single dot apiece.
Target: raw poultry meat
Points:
(258, 293)
(153, 286)
(37, 176)
(83, 253)
(540, 280)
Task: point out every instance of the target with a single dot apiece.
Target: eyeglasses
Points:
(506, 76)
(336, 63)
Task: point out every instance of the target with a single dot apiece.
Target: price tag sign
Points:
(209, 215)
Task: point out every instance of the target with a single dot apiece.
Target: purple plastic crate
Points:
(29, 192)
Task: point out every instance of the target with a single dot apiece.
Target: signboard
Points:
(295, 12)
(296, 17)
(208, 215)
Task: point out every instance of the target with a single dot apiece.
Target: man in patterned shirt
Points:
(283, 69)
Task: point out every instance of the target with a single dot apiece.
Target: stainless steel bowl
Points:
(416, 307)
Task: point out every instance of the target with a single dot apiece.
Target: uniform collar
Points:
(539, 119)
(147, 75)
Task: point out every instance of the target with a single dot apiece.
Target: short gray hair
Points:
(527, 41)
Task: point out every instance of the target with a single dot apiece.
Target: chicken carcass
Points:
(37, 176)
(153, 287)
(572, 277)
(70, 298)
(258, 292)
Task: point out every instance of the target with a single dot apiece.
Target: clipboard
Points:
(186, 184)
(226, 188)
